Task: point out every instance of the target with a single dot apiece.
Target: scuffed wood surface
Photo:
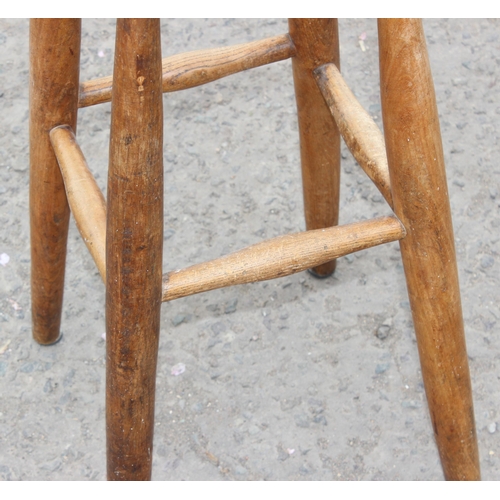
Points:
(190, 69)
(317, 43)
(54, 75)
(274, 258)
(134, 244)
(419, 188)
(85, 199)
(361, 134)
(281, 256)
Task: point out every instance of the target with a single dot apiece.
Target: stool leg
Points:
(54, 73)
(134, 242)
(419, 189)
(316, 42)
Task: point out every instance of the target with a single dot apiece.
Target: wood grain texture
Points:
(316, 43)
(267, 260)
(281, 256)
(419, 190)
(195, 68)
(54, 73)
(360, 133)
(85, 199)
(134, 240)
(191, 69)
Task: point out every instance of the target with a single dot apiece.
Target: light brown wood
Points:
(316, 43)
(267, 260)
(191, 69)
(54, 73)
(133, 225)
(281, 256)
(85, 199)
(134, 240)
(419, 190)
(195, 68)
(360, 133)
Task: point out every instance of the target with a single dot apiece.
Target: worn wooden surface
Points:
(420, 201)
(85, 199)
(195, 68)
(316, 43)
(419, 189)
(134, 248)
(54, 72)
(190, 69)
(267, 260)
(281, 256)
(360, 133)
(270, 259)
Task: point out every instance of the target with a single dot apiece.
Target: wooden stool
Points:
(125, 234)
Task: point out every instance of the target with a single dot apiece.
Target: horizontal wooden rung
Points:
(361, 134)
(190, 69)
(281, 256)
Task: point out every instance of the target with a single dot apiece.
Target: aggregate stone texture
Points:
(291, 379)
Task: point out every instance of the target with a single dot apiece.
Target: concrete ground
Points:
(292, 379)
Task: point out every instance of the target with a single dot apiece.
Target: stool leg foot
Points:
(134, 241)
(316, 42)
(54, 73)
(419, 189)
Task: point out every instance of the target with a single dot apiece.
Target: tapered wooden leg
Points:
(316, 41)
(419, 189)
(134, 239)
(54, 72)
